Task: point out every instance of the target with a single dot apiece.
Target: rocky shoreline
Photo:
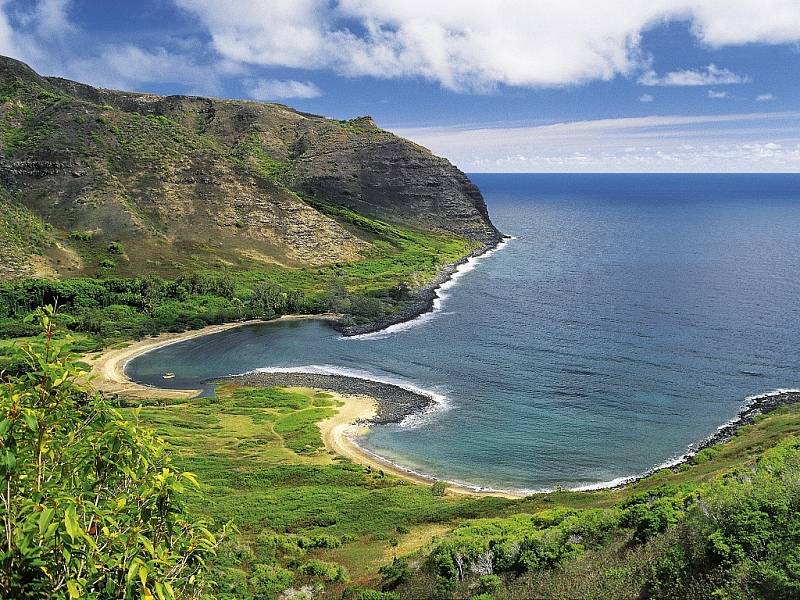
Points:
(394, 402)
(423, 303)
(757, 405)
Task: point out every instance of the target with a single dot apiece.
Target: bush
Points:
(324, 570)
(115, 248)
(742, 533)
(95, 507)
(439, 488)
(80, 236)
(395, 573)
(489, 584)
(268, 581)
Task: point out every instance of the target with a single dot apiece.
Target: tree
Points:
(90, 506)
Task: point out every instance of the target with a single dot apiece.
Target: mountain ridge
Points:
(103, 181)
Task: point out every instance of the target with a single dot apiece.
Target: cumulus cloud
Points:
(275, 89)
(646, 98)
(765, 98)
(767, 142)
(477, 45)
(718, 95)
(711, 75)
(464, 45)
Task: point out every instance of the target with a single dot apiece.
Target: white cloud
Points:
(50, 19)
(768, 142)
(765, 98)
(718, 95)
(477, 45)
(711, 75)
(275, 89)
(465, 45)
(646, 98)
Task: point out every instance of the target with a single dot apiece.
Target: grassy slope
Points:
(258, 453)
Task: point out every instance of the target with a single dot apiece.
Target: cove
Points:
(629, 317)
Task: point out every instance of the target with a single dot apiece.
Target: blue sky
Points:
(503, 85)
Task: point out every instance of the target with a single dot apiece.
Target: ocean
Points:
(627, 318)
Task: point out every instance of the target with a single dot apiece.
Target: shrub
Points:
(80, 236)
(489, 584)
(393, 574)
(115, 248)
(92, 503)
(742, 533)
(268, 581)
(439, 488)
(324, 570)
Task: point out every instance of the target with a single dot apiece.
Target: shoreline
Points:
(107, 371)
(385, 411)
(384, 403)
(352, 420)
(753, 406)
(426, 296)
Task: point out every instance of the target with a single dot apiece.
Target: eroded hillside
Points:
(99, 181)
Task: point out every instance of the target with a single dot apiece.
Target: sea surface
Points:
(628, 318)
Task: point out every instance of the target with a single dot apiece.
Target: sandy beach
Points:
(352, 420)
(108, 368)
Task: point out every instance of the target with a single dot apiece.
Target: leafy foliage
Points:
(113, 308)
(91, 506)
(741, 539)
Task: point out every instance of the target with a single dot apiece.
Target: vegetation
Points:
(293, 503)
(91, 504)
(93, 480)
(113, 308)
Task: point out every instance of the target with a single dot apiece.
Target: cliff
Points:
(101, 180)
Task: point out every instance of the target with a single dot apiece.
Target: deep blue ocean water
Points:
(628, 318)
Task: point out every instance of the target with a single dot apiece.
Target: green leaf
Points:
(143, 572)
(159, 587)
(133, 569)
(71, 523)
(10, 460)
(44, 520)
(148, 545)
(74, 590)
(5, 425)
(31, 421)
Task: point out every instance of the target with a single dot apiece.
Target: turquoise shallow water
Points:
(630, 316)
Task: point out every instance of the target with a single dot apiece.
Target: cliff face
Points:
(165, 183)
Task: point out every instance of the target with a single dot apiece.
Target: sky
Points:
(493, 85)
